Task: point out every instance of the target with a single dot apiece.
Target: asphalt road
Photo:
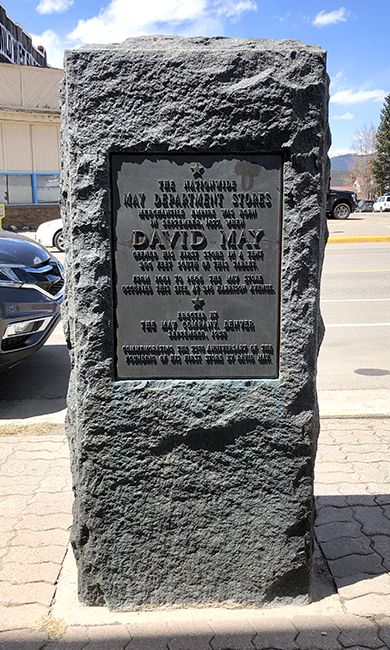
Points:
(355, 353)
(355, 301)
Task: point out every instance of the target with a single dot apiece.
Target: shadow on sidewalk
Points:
(353, 533)
(36, 382)
(298, 633)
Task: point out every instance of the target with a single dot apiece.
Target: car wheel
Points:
(58, 241)
(341, 211)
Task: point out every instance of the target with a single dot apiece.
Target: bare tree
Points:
(364, 147)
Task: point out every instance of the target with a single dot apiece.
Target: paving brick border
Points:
(352, 528)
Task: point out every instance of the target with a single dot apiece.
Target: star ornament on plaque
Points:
(197, 170)
(198, 302)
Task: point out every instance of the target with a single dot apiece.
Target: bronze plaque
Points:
(197, 248)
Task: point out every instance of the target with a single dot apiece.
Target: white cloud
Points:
(337, 81)
(234, 8)
(53, 46)
(121, 19)
(332, 18)
(53, 6)
(350, 96)
(344, 116)
(283, 18)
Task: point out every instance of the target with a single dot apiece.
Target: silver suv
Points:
(31, 293)
(382, 204)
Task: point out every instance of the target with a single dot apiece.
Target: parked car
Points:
(365, 205)
(50, 234)
(382, 203)
(340, 203)
(31, 293)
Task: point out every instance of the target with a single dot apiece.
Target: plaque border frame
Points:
(284, 157)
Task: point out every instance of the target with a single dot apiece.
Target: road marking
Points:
(358, 325)
(358, 300)
(358, 240)
(361, 271)
(336, 252)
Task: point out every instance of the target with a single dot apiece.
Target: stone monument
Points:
(193, 198)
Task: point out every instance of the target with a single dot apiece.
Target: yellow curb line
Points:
(354, 416)
(357, 240)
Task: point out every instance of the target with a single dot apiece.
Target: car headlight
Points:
(8, 277)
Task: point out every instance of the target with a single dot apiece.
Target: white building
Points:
(29, 134)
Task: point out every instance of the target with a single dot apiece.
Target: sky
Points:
(355, 34)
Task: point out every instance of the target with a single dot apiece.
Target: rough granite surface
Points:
(192, 491)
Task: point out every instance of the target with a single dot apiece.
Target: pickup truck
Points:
(340, 203)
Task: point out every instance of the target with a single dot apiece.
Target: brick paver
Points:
(109, 637)
(352, 527)
(381, 544)
(346, 546)
(330, 514)
(356, 631)
(279, 633)
(361, 584)
(237, 633)
(26, 639)
(351, 565)
(36, 538)
(189, 634)
(21, 616)
(323, 636)
(358, 555)
(335, 530)
(369, 605)
(384, 630)
(149, 636)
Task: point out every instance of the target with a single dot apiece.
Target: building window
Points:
(48, 188)
(24, 188)
(19, 188)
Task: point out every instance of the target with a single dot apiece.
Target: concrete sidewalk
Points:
(351, 608)
(359, 225)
